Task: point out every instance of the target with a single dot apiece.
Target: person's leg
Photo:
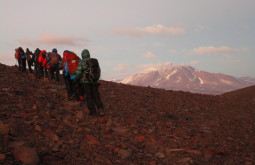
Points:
(57, 73)
(52, 72)
(96, 95)
(46, 76)
(24, 62)
(29, 63)
(20, 65)
(90, 102)
(69, 88)
(36, 69)
(81, 92)
(97, 98)
(41, 75)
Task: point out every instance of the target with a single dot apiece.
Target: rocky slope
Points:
(187, 78)
(141, 125)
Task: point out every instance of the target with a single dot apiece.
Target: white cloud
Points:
(144, 68)
(149, 55)
(157, 44)
(152, 67)
(225, 50)
(173, 51)
(52, 39)
(121, 68)
(162, 30)
(193, 63)
(150, 30)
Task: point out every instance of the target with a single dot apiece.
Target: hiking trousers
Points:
(23, 62)
(30, 63)
(36, 68)
(19, 64)
(92, 96)
(40, 70)
(54, 69)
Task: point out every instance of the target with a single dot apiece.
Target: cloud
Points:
(153, 67)
(145, 68)
(157, 44)
(150, 30)
(162, 30)
(149, 55)
(173, 51)
(192, 63)
(121, 68)
(128, 31)
(217, 50)
(51, 39)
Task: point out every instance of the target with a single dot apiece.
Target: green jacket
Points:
(82, 67)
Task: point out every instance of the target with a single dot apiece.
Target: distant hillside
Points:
(141, 126)
(186, 78)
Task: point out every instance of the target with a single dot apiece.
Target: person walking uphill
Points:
(54, 59)
(30, 59)
(88, 74)
(18, 57)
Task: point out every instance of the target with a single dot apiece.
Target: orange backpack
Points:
(54, 59)
(72, 63)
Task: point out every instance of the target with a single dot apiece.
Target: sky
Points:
(216, 36)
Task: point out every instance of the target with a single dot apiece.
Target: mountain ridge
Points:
(187, 78)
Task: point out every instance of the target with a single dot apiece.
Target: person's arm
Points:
(60, 58)
(80, 69)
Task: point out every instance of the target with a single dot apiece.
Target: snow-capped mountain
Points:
(186, 78)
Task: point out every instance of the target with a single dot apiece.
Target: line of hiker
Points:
(81, 75)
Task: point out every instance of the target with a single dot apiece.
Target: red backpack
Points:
(54, 59)
(72, 63)
(17, 54)
(40, 58)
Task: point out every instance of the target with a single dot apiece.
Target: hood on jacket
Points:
(85, 54)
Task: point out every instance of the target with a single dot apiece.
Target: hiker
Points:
(29, 57)
(40, 60)
(88, 73)
(22, 59)
(54, 60)
(66, 76)
(46, 66)
(36, 66)
(70, 66)
(18, 58)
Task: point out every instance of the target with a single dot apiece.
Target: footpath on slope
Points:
(141, 125)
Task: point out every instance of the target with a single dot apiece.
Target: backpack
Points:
(17, 55)
(29, 56)
(36, 55)
(72, 63)
(41, 57)
(54, 58)
(93, 72)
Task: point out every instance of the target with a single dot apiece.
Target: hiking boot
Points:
(101, 111)
(82, 98)
(93, 113)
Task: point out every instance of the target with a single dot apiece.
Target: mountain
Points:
(141, 126)
(187, 78)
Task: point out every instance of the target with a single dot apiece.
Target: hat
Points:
(54, 50)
